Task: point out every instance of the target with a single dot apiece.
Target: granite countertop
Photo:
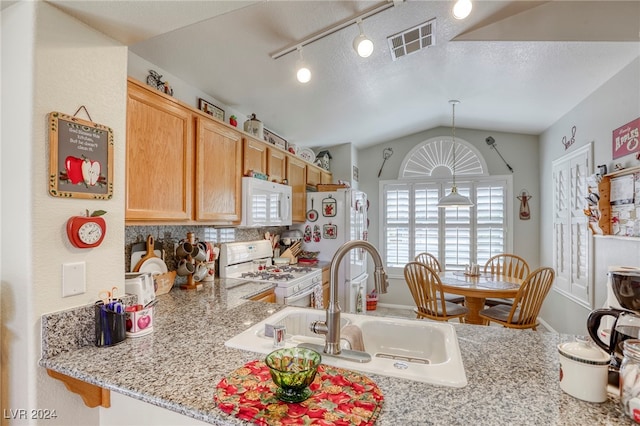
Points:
(512, 374)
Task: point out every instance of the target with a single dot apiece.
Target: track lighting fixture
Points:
(361, 43)
(303, 74)
(462, 9)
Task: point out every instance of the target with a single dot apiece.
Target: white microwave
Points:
(265, 203)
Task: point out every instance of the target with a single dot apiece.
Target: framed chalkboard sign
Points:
(80, 158)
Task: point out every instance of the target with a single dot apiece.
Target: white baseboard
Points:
(546, 325)
(393, 306)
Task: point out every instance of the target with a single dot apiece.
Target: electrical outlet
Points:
(74, 279)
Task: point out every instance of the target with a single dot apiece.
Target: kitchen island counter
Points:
(512, 374)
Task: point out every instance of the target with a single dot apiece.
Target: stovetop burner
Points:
(268, 275)
(278, 273)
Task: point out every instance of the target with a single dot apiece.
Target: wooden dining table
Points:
(476, 289)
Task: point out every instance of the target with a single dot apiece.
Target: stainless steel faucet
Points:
(331, 326)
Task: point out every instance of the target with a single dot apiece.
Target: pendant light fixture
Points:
(462, 9)
(361, 43)
(453, 199)
(303, 74)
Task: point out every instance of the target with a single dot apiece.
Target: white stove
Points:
(251, 261)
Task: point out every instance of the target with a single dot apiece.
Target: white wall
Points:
(615, 103)
(53, 63)
(139, 67)
(17, 327)
(520, 151)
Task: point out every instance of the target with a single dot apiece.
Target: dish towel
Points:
(318, 303)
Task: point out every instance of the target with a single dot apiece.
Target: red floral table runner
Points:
(340, 397)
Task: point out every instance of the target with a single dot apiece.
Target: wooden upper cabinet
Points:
(159, 155)
(297, 177)
(276, 164)
(218, 173)
(325, 177)
(313, 175)
(254, 156)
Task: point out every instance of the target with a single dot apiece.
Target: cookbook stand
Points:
(191, 284)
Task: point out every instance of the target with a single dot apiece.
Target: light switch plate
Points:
(73, 279)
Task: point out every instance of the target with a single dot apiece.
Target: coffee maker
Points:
(625, 286)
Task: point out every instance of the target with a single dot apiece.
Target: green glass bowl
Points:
(293, 370)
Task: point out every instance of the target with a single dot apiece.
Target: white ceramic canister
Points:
(254, 127)
(584, 370)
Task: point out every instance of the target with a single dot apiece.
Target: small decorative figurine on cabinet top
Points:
(322, 159)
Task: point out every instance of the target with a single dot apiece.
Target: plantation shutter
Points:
(572, 249)
(413, 223)
(490, 220)
(397, 212)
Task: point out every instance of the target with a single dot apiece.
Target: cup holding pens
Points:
(109, 322)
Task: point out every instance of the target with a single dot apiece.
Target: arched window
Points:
(413, 223)
(434, 158)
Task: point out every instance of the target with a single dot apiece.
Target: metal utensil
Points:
(312, 214)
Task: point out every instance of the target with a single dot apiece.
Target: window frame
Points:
(445, 186)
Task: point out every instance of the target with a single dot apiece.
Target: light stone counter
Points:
(512, 375)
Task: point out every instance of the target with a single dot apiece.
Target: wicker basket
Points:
(164, 282)
(322, 187)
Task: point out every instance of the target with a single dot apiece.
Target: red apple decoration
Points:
(90, 172)
(74, 169)
(143, 322)
(129, 324)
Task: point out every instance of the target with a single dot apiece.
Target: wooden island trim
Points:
(92, 395)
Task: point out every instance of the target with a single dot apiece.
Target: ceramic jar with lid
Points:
(584, 369)
(630, 379)
(254, 127)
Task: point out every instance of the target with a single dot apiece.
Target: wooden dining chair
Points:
(509, 265)
(426, 289)
(527, 303)
(432, 262)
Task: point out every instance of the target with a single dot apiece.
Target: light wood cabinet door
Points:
(276, 164)
(325, 177)
(218, 173)
(326, 286)
(297, 177)
(159, 158)
(268, 296)
(254, 156)
(313, 175)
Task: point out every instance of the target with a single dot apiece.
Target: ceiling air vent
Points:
(412, 40)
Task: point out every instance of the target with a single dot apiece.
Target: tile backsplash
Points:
(169, 235)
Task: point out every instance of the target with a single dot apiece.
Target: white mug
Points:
(184, 249)
(201, 272)
(199, 254)
(185, 268)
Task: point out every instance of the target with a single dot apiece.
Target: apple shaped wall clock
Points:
(87, 231)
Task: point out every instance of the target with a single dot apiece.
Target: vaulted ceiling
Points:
(516, 66)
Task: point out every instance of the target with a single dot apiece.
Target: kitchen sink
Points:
(419, 350)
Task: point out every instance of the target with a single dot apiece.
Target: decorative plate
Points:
(306, 154)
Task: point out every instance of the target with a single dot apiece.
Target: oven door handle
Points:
(300, 295)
